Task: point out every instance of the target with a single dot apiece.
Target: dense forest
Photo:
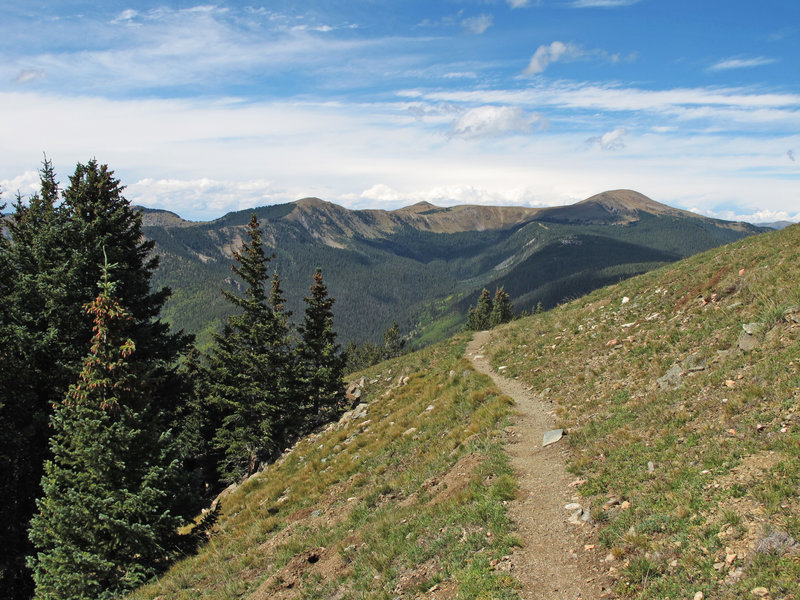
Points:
(115, 430)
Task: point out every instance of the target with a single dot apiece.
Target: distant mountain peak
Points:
(418, 207)
(312, 202)
(611, 207)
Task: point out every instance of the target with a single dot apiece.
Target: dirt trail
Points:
(554, 563)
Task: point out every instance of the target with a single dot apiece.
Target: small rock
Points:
(747, 342)
(792, 314)
(625, 299)
(699, 596)
(671, 380)
(552, 436)
(625, 505)
(650, 466)
(760, 592)
(575, 518)
(353, 391)
(572, 506)
(736, 575)
(452, 374)
(429, 408)
(752, 328)
(409, 431)
(694, 363)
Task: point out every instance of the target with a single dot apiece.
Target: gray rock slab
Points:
(552, 436)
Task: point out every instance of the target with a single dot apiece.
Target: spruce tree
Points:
(479, 318)
(247, 370)
(104, 524)
(320, 358)
(502, 311)
(29, 369)
(393, 342)
(55, 255)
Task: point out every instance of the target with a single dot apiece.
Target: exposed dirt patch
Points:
(287, 583)
(411, 580)
(558, 559)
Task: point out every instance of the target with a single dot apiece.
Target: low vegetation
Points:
(405, 494)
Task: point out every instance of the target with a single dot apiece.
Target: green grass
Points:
(725, 445)
(373, 495)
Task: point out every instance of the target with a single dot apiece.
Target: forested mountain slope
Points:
(423, 265)
(679, 391)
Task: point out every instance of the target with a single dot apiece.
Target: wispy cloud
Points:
(547, 54)
(29, 75)
(602, 3)
(478, 24)
(518, 3)
(611, 140)
(741, 63)
(493, 121)
(791, 155)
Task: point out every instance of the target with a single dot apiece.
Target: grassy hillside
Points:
(403, 495)
(685, 427)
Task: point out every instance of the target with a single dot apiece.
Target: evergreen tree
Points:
(321, 362)
(55, 255)
(479, 318)
(502, 311)
(393, 342)
(247, 370)
(28, 371)
(104, 524)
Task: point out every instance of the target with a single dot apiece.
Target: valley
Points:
(422, 266)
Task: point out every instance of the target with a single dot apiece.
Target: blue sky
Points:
(206, 108)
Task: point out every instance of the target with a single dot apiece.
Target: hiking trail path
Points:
(557, 560)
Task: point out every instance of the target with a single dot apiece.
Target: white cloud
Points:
(611, 140)
(25, 184)
(202, 158)
(518, 3)
(545, 55)
(28, 75)
(126, 15)
(741, 63)
(205, 195)
(478, 24)
(493, 121)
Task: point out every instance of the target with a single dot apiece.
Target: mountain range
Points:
(422, 265)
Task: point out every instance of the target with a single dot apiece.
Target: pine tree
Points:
(104, 524)
(29, 373)
(320, 358)
(55, 254)
(247, 370)
(502, 311)
(479, 318)
(393, 342)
